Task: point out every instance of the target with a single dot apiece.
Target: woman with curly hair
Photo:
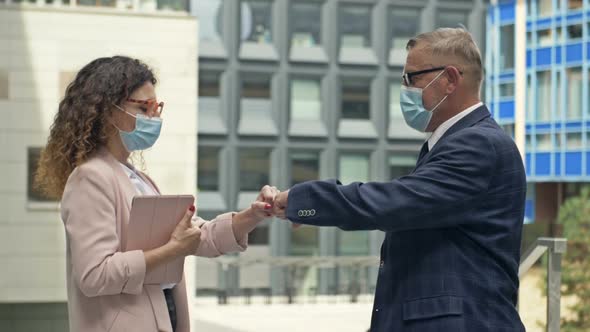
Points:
(110, 110)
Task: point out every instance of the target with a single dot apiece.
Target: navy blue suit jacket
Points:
(453, 229)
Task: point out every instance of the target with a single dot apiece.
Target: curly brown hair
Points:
(80, 127)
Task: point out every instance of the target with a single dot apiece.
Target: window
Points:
(3, 84)
(209, 84)
(448, 19)
(395, 110)
(545, 7)
(259, 236)
(33, 193)
(353, 167)
(256, 21)
(356, 97)
(405, 24)
(208, 168)
(305, 166)
(305, 99)
(543, 96)
(507, 89)
(544, 38)
(575, 4)
(559, 96)
(509, 129)
(574, 141)
(177, 5)
(529, 142)
(254, 168)
(544, 142)
(306, 21)
(574, 87)
(507, 47)
(256, 117)
(355, 26)
(401, 164)
(574, 31)
(256, 88)
(210, 15)
(530, 99)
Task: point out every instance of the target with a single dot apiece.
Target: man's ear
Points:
(453, 77)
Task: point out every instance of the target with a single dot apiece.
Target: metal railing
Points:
(556, 248)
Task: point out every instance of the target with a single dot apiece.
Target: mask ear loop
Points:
(427, 85)
(114, 125)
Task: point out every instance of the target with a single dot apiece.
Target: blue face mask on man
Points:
(144, 136)
(415, 114)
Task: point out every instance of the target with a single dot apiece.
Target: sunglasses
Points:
(151, 105)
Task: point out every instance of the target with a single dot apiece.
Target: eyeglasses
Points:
(407, 77)
(151, 105)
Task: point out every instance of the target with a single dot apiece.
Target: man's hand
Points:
(280, 207)
(280, 204)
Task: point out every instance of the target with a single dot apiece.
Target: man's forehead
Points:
(419, 59)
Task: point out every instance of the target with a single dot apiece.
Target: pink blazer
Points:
(105, 286)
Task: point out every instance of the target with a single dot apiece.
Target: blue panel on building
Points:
(558, 19)
(557, 163)
(529, 58)
(573, 125)
(528, 127)
(529, 26)
(588, 50)
(558, 54)
(506, 12)
(573, 163)
(542, 164)
(558, 126)
(544, 56)
(588, 163)
(506, 76)
(507, 109)
(574, 18)
(574, 52)
(545, 126)
(544, 23)
(527, 164)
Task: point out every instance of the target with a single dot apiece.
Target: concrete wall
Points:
(40, 49)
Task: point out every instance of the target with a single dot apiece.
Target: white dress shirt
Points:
(142, 188)
(442, 129)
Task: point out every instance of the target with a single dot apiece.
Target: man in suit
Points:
(450, 257)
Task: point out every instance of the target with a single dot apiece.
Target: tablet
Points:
(152, 221)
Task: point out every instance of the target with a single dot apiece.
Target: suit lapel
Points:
(472, 118)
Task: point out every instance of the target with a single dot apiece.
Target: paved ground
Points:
(335, 314)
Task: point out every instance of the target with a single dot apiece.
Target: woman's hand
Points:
(263, 206)
(186, 238)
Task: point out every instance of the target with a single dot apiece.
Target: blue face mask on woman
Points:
(144, 136)
(415, 114)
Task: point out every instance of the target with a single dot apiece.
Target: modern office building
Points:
(557, 114)
(291, 91)
(43, 46)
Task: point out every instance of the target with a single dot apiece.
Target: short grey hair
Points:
(452, 42)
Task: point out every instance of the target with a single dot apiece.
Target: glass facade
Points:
(287, 119)
(557, 148)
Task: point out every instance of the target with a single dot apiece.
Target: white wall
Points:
(37, 46)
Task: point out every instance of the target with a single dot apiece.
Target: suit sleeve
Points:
(438, 194)
(98, 265)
